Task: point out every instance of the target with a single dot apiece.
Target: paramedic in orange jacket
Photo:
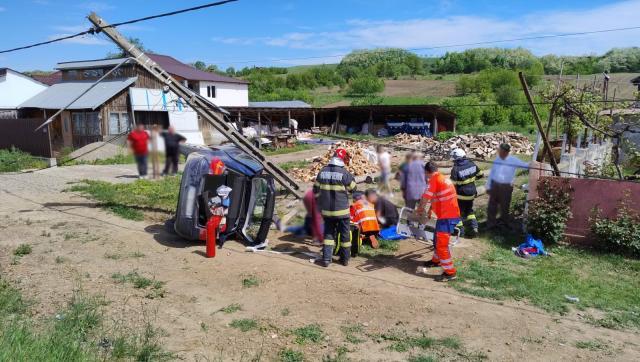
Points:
(441, 193)
(363, 213)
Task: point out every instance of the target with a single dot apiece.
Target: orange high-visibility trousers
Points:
(442, 253)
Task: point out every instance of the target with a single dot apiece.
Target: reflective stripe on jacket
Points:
(442, 195)
(333, 188)
(364, 214)
(463, 176)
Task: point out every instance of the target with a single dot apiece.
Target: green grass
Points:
(353, 333)
(401, 341)
(231, 308)
(22, 250)
(129, 200)
(387, 248)
(288, 166)
(281, 151)
(309, 333)
(593, 345)
(244, 325)
(289, 355)
(250, 281)
(422, 358)
(605, 282)
(14, 160)
(79, 332)
(141, 282)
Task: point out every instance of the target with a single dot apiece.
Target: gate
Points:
(19, 133)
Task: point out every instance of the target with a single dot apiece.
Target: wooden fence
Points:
(19, 133)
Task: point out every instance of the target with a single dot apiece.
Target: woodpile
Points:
(482, 146)
(360, 165)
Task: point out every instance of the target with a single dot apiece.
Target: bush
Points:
(620, 234)
(548, 214)
(444, 136)
(15, 160)
(365, 85)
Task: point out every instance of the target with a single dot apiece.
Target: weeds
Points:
(285, 312)
(422, 358)
(13, 160)
(288, 166)
(244, 325)
(281, 151)
(352, 333)
(387, 248)
(60, 259)
(78, 333)
(594, 345)
(602, 281)
(289, 355)
(250, 281)
(141, 282)
(22, 250)
(309, 333)
(231, 308)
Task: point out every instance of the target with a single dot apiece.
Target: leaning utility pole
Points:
(536, 117)
(198, 104)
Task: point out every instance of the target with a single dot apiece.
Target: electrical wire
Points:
(444, 46)
(94, 30)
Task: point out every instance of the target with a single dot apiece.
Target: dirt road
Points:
(78, 246)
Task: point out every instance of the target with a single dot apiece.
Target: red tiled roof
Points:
(49, 79)
(175, 67)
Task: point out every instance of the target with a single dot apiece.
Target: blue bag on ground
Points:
(530, 248)
(390, 234)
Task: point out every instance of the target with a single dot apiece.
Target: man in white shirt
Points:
(500, 185)
(384, 161)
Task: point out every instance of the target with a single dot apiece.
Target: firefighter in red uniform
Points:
(441, 194)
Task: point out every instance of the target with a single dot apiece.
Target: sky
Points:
(288, 32)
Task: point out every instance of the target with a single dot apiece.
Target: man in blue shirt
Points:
(500, 185)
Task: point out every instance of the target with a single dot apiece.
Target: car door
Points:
(260, 209)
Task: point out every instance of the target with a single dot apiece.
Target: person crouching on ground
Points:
(386, 211)
(363, 213)
(138, 141)
(333, 189)
(441, 195)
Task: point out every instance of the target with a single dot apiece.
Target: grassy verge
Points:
(77, 333)
(14, 160)
(608, 283)
(287, 166)
(129, 200)
(281, 151)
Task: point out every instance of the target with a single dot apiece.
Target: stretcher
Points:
(410, 226)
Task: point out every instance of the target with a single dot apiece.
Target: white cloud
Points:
(443, 30)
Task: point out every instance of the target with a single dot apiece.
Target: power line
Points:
(94, 30)
(536, 37)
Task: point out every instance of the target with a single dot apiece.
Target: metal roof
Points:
(280, 104)
(84, 64)
(175, 67)
(59, 95)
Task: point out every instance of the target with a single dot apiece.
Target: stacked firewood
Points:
(477, 146)
(361, 163)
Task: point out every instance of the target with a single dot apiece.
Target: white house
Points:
(16, 88)
(221, 90)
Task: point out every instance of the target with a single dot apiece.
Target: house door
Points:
(86, 128)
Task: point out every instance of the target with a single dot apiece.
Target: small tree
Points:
(621, 233)
(365, 86)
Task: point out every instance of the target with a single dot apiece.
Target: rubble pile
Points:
(362, 163)
(482, 146)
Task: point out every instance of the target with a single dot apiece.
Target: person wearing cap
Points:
(333, 189)
(463, 175)
(500, 185)
(441, 195)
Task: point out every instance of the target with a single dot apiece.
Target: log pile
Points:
(360, 163)
(482, 146)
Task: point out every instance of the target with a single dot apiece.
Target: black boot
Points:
(327, 254)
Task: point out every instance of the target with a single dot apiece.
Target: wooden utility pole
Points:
(204, 109)
(536, 117)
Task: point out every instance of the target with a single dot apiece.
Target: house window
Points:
(211, 91)
(85, 123)
(118, 123)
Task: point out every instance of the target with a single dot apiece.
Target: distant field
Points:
(620, 82)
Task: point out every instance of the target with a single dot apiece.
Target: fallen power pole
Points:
(536, 117)
(202, 108)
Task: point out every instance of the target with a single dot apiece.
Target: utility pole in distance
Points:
(201, 107)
